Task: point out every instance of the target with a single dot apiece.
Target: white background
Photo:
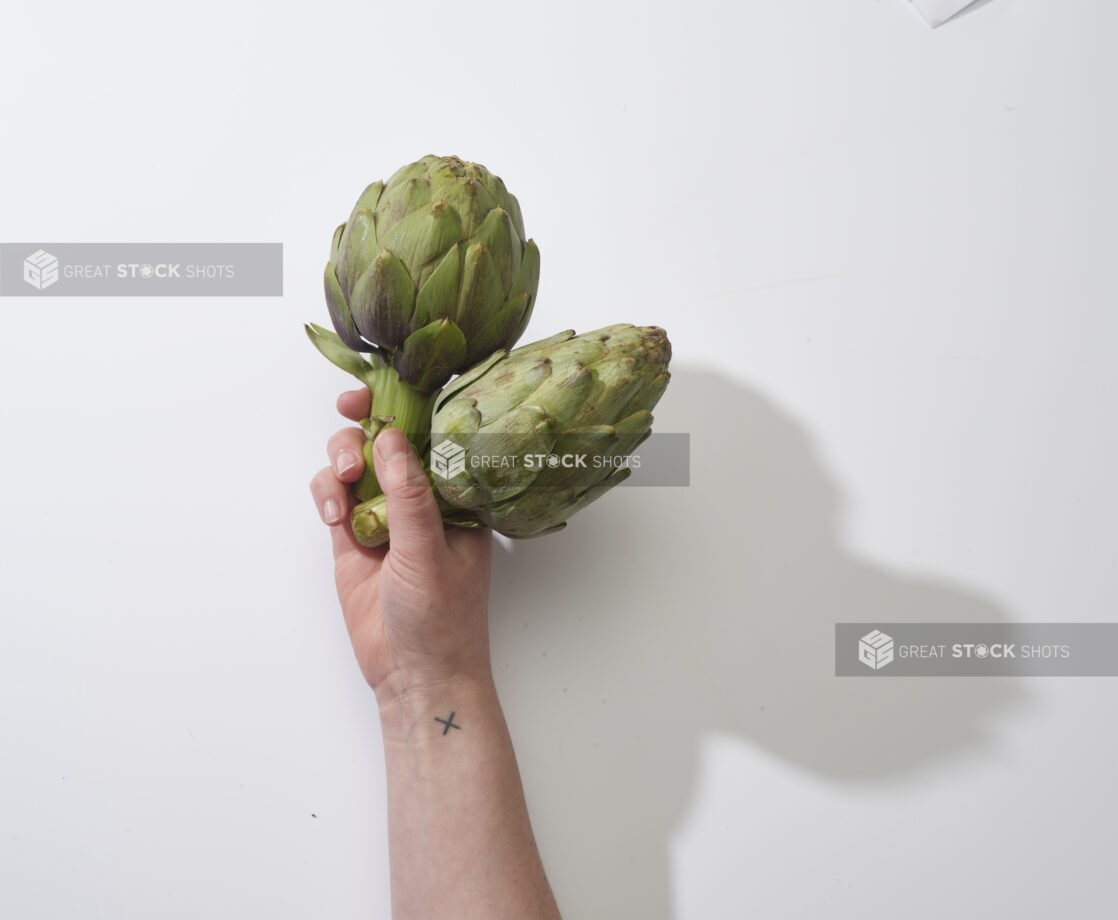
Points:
(885, 256)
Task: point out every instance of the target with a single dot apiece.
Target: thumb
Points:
(414, 522)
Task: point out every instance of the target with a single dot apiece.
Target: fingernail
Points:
(331, 511)
(344, 461)
(390, 443)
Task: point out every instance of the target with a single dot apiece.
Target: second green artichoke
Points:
(507, 436)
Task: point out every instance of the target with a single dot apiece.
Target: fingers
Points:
(413, 515)
(355, 404)
(352, 561)
(330, 496)
(344, 451)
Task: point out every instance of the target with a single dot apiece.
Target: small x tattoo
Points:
(448, 722)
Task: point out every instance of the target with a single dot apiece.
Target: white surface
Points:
(885, 257)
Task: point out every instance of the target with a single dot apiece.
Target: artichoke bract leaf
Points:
(507, 386)
(503, 244)
(595, 492)
(520, 431)
(608, 403)
(336, 242)
(430, 355)
(588, 442)
(423, 236)
(369, 198)
(579, 352)
(416, 170)
(468, 376)
(364, 246)
(438, 293)
(530, 514)
(354, 242)
(460, 421)
(513, 207)
(528, 272)
(544, 345)
(564, 395)
(498, 449)
(480, 295)
(497, 333)
(338, 353)
(470, 199)
(495, 187)
(340, 315)
(528, 280)
(569, 504)
(617, 477)
(401, 200)
(460, 492)
(383, 301)
(631, 431)
(588, 437)
(526, 315)
(635, 423)
(505, 199)
(648, 395)
(579, 454)
(429, 268)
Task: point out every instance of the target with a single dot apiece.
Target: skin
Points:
(460, 843)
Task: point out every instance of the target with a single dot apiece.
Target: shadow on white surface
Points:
(663, 614)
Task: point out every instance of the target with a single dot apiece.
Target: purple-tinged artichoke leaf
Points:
(340, 315)
(383, 301)
(430, 355)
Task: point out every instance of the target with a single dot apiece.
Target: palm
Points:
(358, 571)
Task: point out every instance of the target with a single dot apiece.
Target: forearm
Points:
(460, 843)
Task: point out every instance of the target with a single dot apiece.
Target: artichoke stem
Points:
(370, 521)
(408, 408)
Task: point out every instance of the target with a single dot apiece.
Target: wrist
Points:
(412, 707)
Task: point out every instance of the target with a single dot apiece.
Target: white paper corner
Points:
(936, 12)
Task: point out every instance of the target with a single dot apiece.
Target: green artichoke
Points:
(521, 417)
(433, 267)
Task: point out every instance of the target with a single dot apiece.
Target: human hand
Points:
(417, 609)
